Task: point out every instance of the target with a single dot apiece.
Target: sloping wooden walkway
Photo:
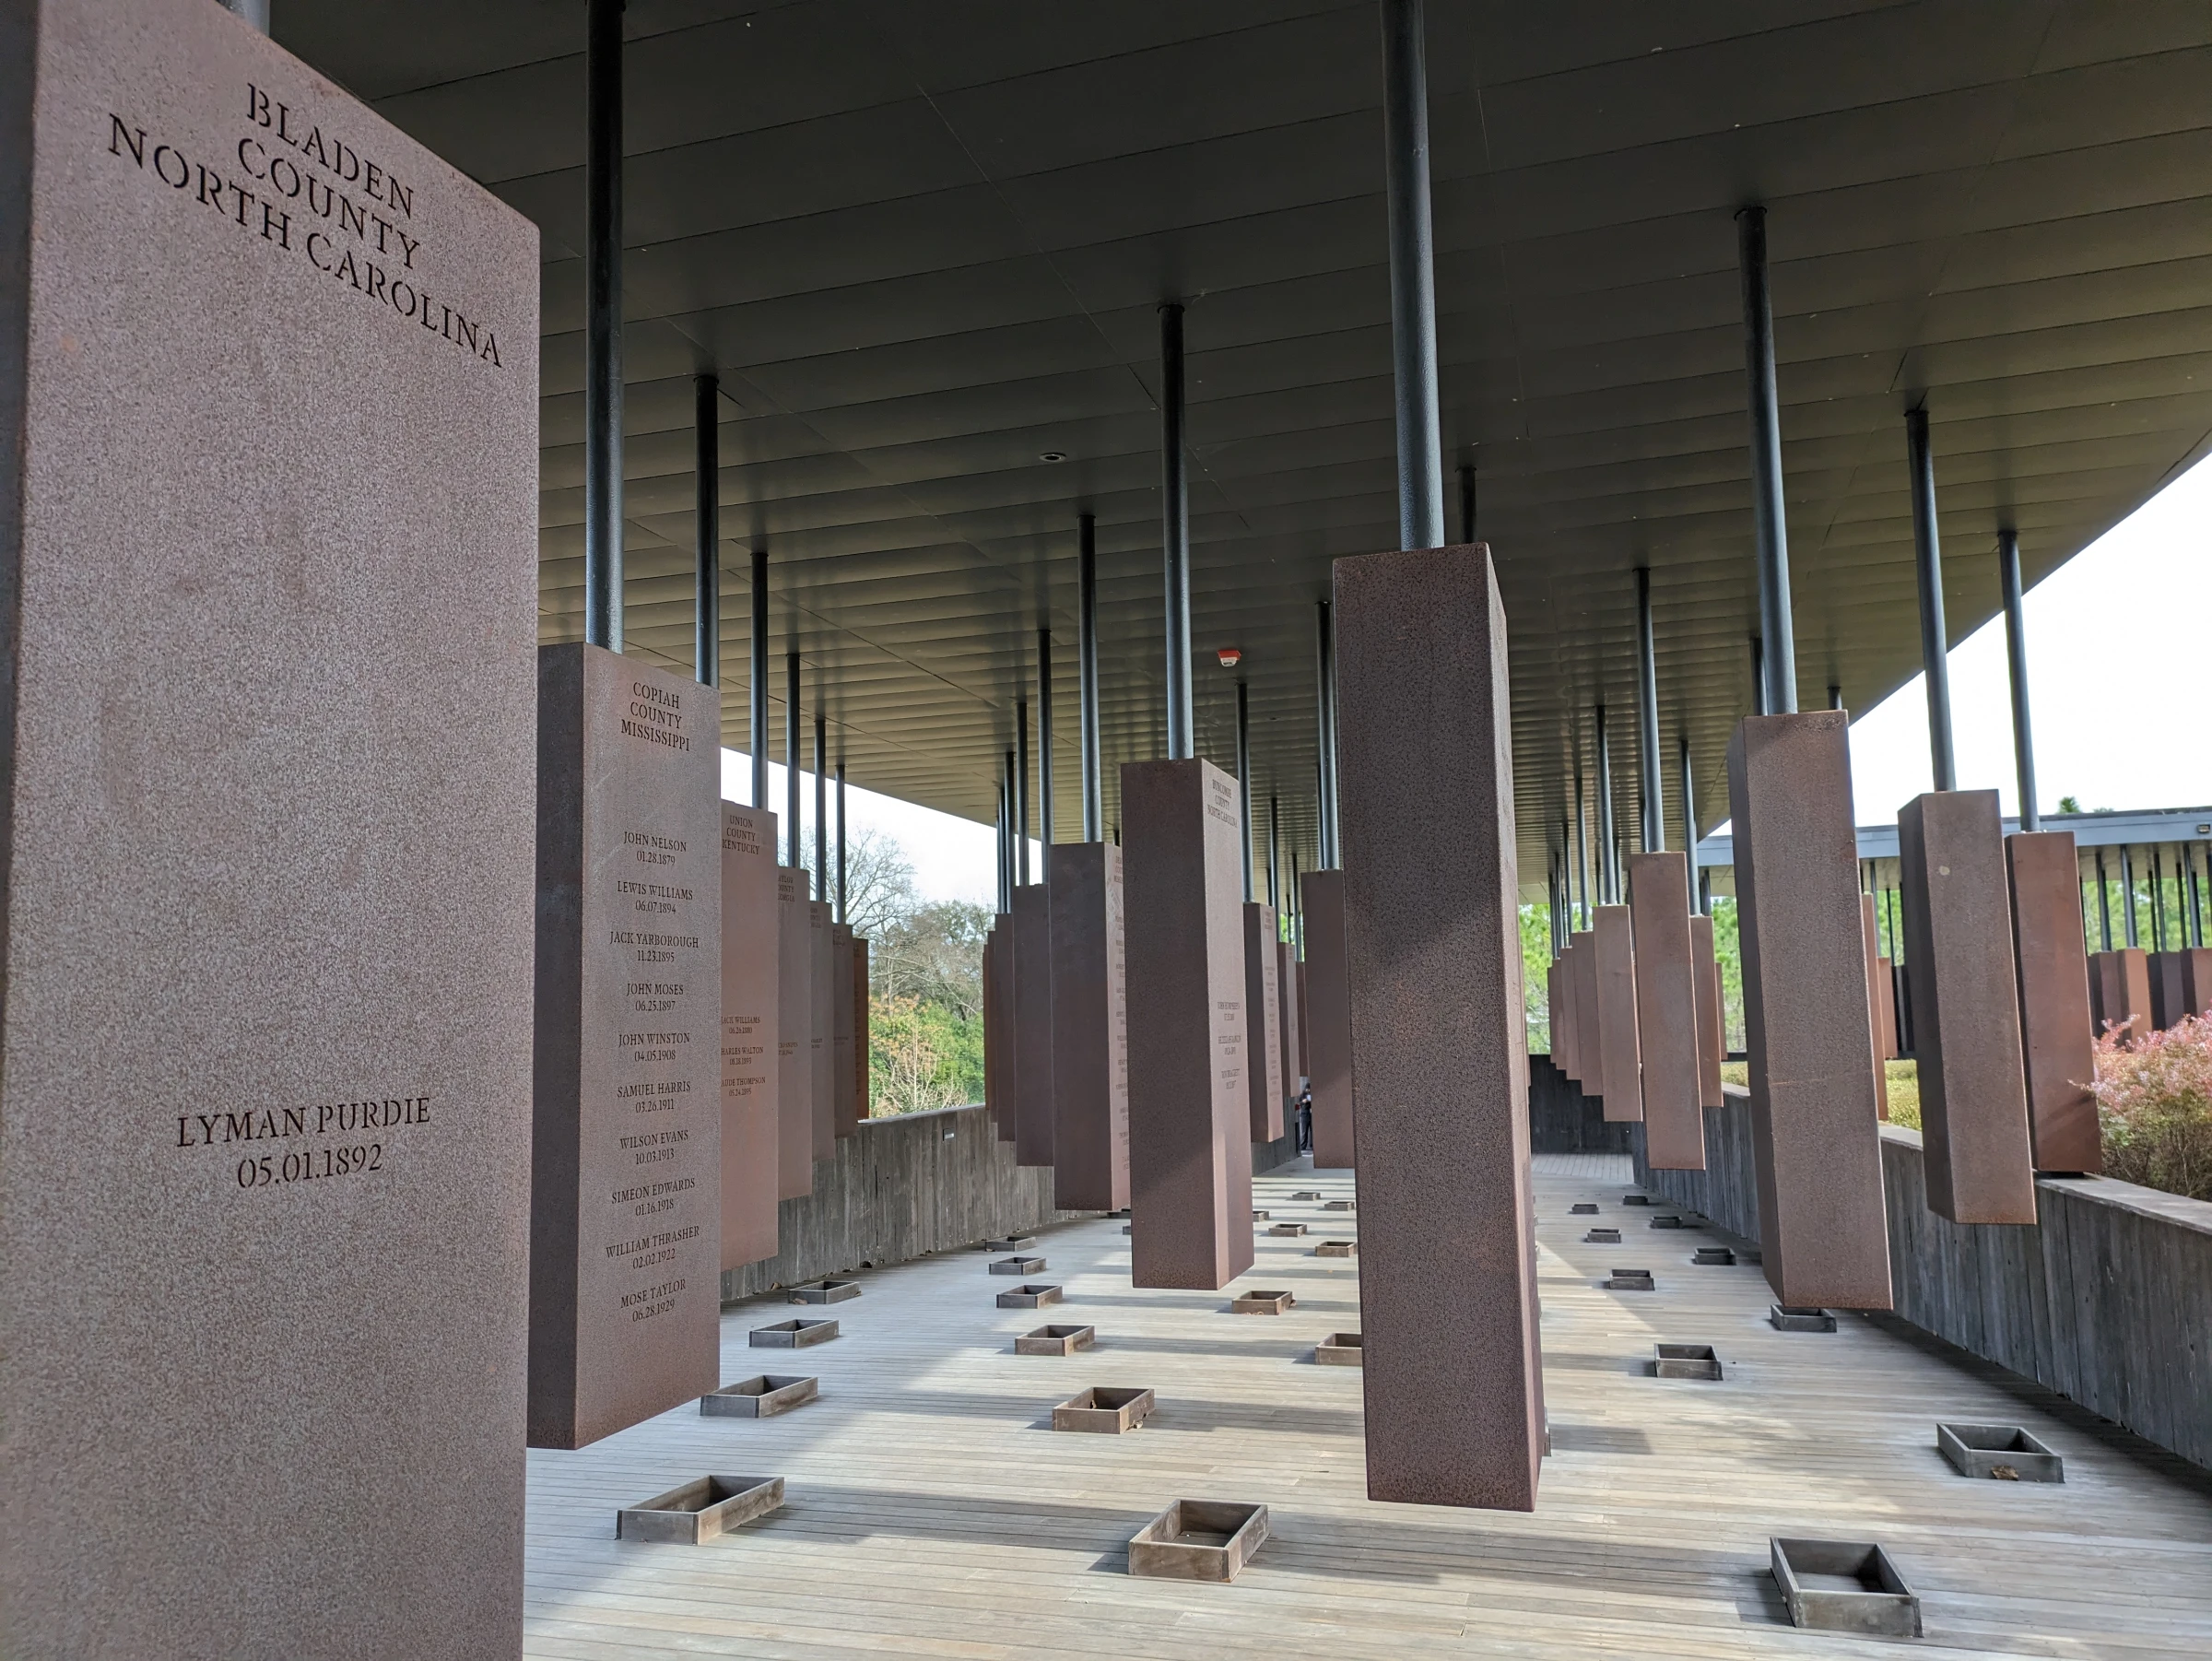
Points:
(931, 1512)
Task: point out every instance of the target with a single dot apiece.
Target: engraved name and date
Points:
(341, 1138)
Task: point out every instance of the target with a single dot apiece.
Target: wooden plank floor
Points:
(931, 1512)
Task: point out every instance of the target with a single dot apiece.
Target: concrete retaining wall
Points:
(911, 1185)
(2106, 1301)
(902, 1188)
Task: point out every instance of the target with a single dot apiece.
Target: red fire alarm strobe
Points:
(1230, 657)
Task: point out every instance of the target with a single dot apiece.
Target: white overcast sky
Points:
(2120, 688)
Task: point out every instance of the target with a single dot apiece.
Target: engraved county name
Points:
(306, 191)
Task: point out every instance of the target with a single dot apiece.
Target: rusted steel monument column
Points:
(1965, 1020)
(1713, 1035)
(2045, 874)
(1824, 1230)
(1090, 1030)
(1448, 1315)
(1871, 951)
(1808, 1026)
(1589, 1030)
(1328, 1011)
(1622, 1043)
(1091, 1027)
(1032, 987)
(1666, 978)
(1264, 1077)
(1190, 1142)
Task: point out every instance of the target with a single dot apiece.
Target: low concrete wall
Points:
(1562, 1120)
(2108, 1301)
(902, 1188)
(914, 1184)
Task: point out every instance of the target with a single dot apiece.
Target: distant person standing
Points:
(1305, 1123)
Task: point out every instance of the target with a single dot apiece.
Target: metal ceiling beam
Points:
(1175, 535)
(1779, 672)
(1412, 274)
(603, 386)
(2016, 663)
(1927, 565)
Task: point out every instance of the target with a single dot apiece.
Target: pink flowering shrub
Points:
(2154, 1104)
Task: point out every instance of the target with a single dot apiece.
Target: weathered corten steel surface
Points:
(2180, 981)
(1885, 1008)
(2196, 982)
(1264, 1079)
(1870, 951)
(1190, 1121)
(1287, 1010)
(1005, 1122)
(2107, 1302)
(845, 1090)
(2053, 987)
(1804, 1011)
(1614, 976)
(1589, 1029)
(622, 1311)
(1560, 1016)
(993, 1027)
(266, 797)
(864, 1037)
(822, 946)
(1966, 1013)
(902, 1188)
(2121, 983)
(794, 1024)
(1453, 1372)
(751, 972)
(1090, 1028)
(1034, 1107)
(1712, 1036)
(1666, 1008)
(1329, 1029)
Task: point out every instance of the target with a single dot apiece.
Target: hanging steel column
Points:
(1013, 833)
(706, 609)
(1466, 502)
(790, 761)
(759, 677)
(1689, 828)
(603, 323)
(1835, 696)
(1653, 788)
(1005, 854)
(843, 916)
(1244, 782)
(821, 802)
(1778, 682)
(1608, 875)
(2127, 893)
(1759, 679)
(1175, 536)
(1412, 274)
(1275, 853)
(1086, 675)
(1325, 647)
(1927, 562)
(1045, 748)
(1021, 792)
(2016, 661)
(2104, 903)
(1582, 838)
